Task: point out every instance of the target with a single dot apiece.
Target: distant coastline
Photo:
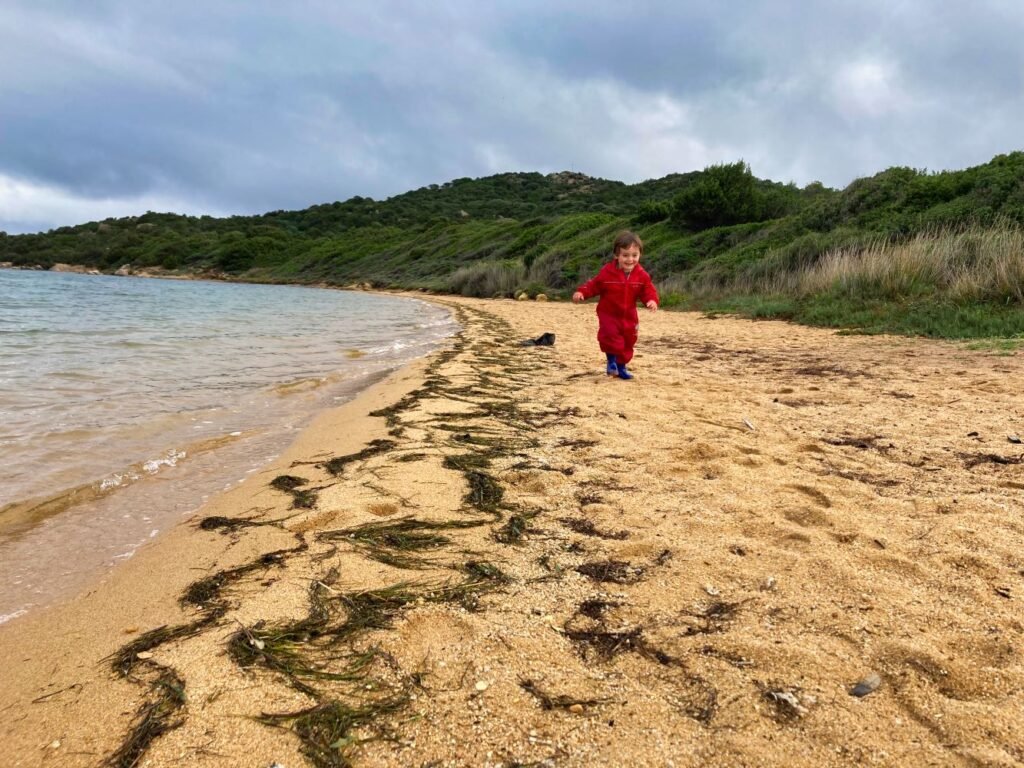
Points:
(159, 273)
(125, 270)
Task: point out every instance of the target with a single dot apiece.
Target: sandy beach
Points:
(500, 556)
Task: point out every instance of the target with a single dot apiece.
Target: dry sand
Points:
(777, 513)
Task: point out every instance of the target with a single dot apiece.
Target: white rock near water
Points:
(77, 269)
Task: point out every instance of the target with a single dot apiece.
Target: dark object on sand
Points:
(868, 685)
(544, 340)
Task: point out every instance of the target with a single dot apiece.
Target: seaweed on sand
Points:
(553, 570)
(485, 494)
(125, 659)
(228, 524)
(285, 649)
(604, 643)
(695, 697)
(575, 445)
(204, 593)
(480, 570)
(304, 499)
(374, 448)
(614, 571)
(595, 608)
(287, 483)
(289, 647)
(166, 688)
(328, 731)
(390, 413)
(155, 717)
(206, 590)
(587, 528)
(481, 577)
(467, 438)
(409, 457)
(551, 701)
(586, 628)
(478, 581)
(467, 462)
(713, 619)
(515, 529)
(971, 460)
(431, 385)
(392, 542)
(374, 608)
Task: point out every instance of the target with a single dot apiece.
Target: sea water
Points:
(125, 402)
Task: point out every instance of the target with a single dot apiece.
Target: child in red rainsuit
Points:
(620, 284)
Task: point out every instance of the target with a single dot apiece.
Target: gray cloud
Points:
(253, 106)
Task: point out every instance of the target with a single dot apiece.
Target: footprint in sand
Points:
(814, 494)
(956, 679)
(810, 448)
(808, 518)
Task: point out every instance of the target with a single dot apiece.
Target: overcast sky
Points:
(115, 107)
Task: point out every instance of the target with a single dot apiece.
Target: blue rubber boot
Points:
(623, 373)
(613, 367)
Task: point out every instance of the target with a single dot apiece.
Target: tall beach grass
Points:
(950, 283)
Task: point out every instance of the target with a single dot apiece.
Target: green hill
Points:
(716, 239)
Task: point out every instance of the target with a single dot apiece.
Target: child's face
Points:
(628, 257)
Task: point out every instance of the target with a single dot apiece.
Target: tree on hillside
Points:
(722, 195)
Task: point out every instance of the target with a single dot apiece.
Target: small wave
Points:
(300, 385)
(170, 460)
(441, 322)
(116, 480)
(19, 516)
(5, 617)
(395, 346)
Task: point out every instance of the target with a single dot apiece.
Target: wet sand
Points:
(521, 561)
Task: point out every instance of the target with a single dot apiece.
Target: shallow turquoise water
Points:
(109, 381)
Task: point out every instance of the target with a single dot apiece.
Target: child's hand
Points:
(577, 297)
(652, 305)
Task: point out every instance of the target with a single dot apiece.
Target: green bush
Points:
(722, 195)
(652, 211)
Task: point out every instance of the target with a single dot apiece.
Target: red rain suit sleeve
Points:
(592, 287)
(647, 290)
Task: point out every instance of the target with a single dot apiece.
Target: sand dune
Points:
(518, 561)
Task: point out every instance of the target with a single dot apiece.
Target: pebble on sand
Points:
(868, 685)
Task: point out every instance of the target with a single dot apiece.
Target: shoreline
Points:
(695, 566)
(141, 592)
(91, 489)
